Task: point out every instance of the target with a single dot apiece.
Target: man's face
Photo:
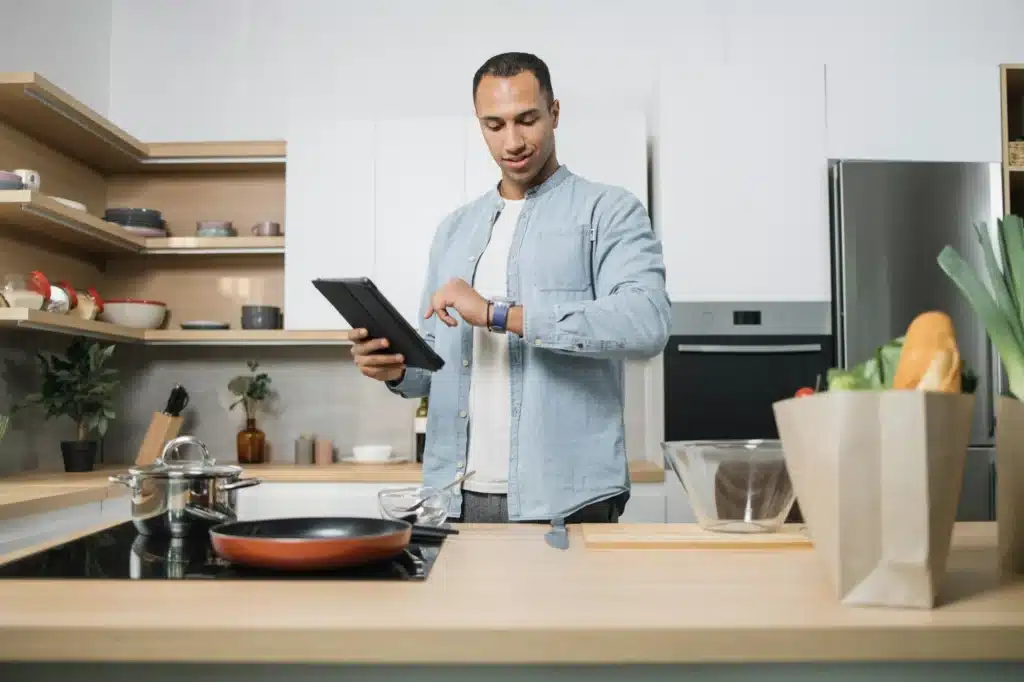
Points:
(518, 124)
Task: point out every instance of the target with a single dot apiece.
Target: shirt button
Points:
(465, 363)
(472, 258)
(462, 413)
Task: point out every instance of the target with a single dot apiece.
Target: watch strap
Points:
(499, 319)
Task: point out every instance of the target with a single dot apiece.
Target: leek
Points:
(1000, 302)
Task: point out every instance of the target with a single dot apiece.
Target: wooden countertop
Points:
(499, 594)
(37, 492)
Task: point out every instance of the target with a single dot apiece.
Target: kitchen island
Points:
(500, 596)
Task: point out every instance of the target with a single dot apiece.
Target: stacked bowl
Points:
(142, 222)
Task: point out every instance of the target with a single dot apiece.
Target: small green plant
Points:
(78, 385)
(5, 422)
(251, 389)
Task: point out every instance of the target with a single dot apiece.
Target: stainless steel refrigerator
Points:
(890, 220)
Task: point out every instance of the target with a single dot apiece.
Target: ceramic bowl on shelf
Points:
(135, 313)
(734, 486)
(9, 180)
(135, 217)
(215, 228)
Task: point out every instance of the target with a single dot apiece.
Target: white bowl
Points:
(134, 313)
(371, 453)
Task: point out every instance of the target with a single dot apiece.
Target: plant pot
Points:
(79, 455)
(878, 475)
(1010, 484)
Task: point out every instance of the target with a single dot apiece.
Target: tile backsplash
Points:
(316, 389)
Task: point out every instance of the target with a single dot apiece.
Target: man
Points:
(536, 293)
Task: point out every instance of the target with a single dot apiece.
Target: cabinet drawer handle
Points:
(740, 348)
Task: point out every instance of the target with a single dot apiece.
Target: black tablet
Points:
(363, 306)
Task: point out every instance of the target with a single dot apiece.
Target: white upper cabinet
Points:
(609, 150)
(482, 173)
(907, 112)
(420, 177)
(741, 195)
(329, 215)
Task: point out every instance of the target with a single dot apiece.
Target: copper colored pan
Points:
(310, 544)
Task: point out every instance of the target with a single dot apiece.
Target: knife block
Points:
(162, 428)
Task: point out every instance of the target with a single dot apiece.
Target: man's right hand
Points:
(379, 366)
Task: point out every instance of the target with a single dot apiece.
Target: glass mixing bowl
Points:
(734, 486)
(395, 502)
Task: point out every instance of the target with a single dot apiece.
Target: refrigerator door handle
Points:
(750, 348)
(996, 387)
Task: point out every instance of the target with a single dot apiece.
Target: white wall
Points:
(66, 41)
(232, 69)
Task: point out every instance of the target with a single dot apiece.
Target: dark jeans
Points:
(492, 508)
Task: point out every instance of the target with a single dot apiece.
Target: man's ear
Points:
(554, 113)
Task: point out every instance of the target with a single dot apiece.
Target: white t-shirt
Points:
(490, 402)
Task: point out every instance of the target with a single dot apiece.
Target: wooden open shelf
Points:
(82, 156)
(215, 245)
(35, 106)
(38, 217)
(245, 337)
(23, 318)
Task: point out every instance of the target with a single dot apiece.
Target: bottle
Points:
(250, 443)
(421, 428)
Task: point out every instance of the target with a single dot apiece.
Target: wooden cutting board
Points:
(688, 536)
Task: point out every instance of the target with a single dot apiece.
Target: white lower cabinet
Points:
(677, 502)
(17, 534)
(272, 500)
(646, 504)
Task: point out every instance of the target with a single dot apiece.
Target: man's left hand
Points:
(458, 294)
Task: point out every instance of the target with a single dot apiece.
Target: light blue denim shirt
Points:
(588, 270)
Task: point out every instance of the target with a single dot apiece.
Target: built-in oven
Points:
(727, 363)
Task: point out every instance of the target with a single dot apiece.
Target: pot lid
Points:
(170, 465)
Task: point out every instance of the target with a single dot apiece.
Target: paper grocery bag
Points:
(1010, 485)
(877, 475)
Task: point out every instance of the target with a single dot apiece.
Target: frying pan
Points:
(315, 543)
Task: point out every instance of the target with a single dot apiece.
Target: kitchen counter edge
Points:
(37, 492)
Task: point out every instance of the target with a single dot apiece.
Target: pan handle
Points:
(243, 483)
(123, 479)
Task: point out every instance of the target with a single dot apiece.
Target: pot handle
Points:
(123, 479)
(242, 483)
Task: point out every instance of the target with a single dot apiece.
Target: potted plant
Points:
(997, 297)
(250, 390)
(78, 385)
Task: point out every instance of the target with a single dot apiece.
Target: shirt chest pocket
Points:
(562, 258)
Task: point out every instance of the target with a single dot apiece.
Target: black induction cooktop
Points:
(121, 553)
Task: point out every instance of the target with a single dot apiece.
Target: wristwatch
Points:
(499, 318)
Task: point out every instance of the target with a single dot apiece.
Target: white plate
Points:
(204, 324)
(70, 203)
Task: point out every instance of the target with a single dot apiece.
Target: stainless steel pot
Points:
(177, 498)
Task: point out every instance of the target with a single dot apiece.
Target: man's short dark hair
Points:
(511, 64)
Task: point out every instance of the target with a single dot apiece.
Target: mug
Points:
(29, 178)
(261, 317)
(267, 229)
